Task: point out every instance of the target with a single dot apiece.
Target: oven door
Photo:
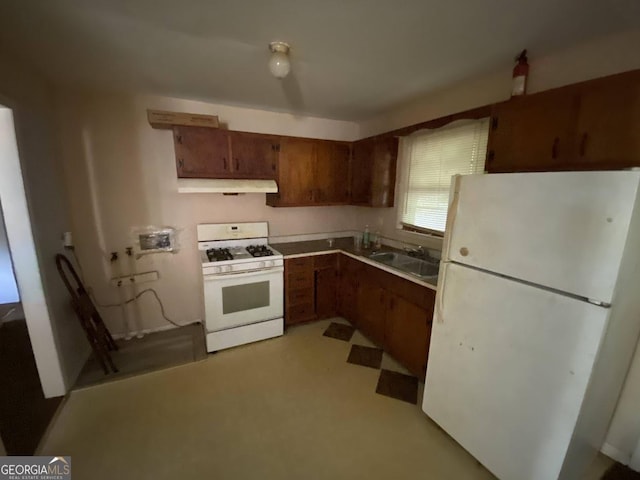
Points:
(243, 298)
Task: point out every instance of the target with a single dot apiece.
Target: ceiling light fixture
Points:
(279, 62)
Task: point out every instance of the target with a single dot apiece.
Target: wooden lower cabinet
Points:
(407, 334)
(325, 291)
(347, 294)
(372, 301)
(310, 288)
(394, 313)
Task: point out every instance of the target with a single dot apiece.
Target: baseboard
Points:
(616, 454)
(118, 336)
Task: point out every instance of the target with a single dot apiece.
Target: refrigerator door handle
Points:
(442, 277)
(451, 216)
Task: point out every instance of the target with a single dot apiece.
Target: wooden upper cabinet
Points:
(332, 173)
(253, 155)
(202, 152)
(533, 133)
(383, 181)
(587, 126)
(361, 172)
(295, 173)
(311, 172)
(607, 134)
(373, 172)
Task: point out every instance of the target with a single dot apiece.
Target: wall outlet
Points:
(135, 279)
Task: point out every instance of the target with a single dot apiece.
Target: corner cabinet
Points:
(373, 172)
(311, 172)
(394, 313)
(586, 126)
(310, 288)
(203, 152)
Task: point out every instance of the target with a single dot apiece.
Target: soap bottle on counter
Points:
(377, 244)
(366, 241)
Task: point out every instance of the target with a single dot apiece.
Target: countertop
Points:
(345, 245)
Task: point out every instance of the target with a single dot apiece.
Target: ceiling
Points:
(351, 59)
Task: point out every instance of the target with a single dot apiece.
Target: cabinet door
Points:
(608, 124)
(348, 288)
(332, 173)
(533, 133)
(254, 155)
(371, 310)
(326, 292)
(407, 334)
(361, 172)
(299, 290)
(383, 178)
(201, 152)
(295, 173)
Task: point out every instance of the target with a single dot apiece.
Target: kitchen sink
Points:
(427, 269)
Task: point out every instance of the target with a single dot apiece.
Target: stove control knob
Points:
(226, 268)
(268, 263)
(262, 264)
(216, 269)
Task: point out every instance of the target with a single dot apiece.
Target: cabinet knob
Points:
(181, 163)
(237, 164)
(179, 139)
(224, 162)
(464, 251)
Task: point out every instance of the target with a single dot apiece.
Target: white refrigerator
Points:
(537, 317)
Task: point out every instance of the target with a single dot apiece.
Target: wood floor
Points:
(24, 412)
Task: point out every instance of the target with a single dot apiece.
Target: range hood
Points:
(197, 185)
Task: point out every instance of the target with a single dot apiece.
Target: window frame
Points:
(402, 184)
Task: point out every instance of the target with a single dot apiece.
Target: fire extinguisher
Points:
(520, 74)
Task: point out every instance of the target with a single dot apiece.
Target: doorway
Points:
(24, 411)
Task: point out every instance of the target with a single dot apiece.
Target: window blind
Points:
(431, 157)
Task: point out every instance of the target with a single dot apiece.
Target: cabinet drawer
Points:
(325, 261)
(300, 313)
(299, 296)
(299, 280)
(300, 264)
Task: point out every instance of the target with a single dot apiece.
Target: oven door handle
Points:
(210, 277)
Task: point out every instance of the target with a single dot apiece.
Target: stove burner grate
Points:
(219, 254)
(259, 250)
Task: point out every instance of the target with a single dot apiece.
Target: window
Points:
(429, 159)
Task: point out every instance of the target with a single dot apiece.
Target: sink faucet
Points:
(416, 252)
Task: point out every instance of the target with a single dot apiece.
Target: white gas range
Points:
(243, 284)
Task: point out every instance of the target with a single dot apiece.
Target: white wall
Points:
(59, 344)
(120, 174)
(8, 287)
(593, 59)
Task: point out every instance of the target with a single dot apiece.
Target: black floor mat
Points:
(339, 331)
(620, 472)
(365, 356)
(398, 385)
